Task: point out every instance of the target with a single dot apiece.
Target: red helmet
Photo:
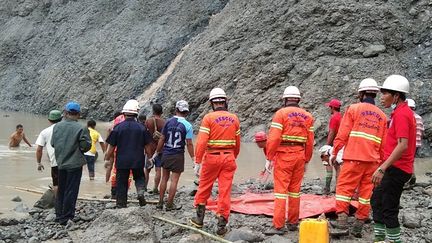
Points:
(260, 136)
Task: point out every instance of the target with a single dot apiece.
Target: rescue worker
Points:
(419, 134)
(333, 128)
(289, 145)
(261, 140)
(399, 151)
(362, 133)
(133, 142)
(217, 147)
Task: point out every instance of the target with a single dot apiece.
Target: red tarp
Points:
(258, 204)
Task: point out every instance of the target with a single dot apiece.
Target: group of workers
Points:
(377, 159)
(373, 157)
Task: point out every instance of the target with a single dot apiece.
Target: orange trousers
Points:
(355, 174)
(288, 175)
(220, 166)
(113, 177)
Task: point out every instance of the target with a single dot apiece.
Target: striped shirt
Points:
(420, 129)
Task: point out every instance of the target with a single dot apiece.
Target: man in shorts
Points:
(44, 140)
(176, 134)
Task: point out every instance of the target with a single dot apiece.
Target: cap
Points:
(73, 106)
(334, 103)
(54, 115)
(182, 105)
(260, 136)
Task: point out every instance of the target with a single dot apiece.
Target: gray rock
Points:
(21, 208)
(374, 50)
(129, 224)
(34, 239)
(194, 238)
(278, 239)
(50, 217)
(16, 199)
(245, 234)
(8, 221)
(411, 219)
(110, 205)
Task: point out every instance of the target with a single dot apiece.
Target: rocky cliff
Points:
(104, 52)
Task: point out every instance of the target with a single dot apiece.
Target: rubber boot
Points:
(121, 203)
(221, 226)
(113, 193)
(198, 221)
(141, 200)
(159, 205)
(357, 228)
(340, 227)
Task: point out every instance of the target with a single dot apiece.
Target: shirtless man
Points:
(17, 137)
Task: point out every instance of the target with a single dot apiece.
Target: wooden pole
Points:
(211, 236)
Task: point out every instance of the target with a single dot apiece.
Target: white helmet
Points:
(325, 150)
(396, 83)
(291, 92)
(368, 84)
(411, 103)
(217, 94)
(131, 106)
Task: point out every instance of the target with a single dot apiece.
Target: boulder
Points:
(412, 219)
(133, 224)
(245, 234)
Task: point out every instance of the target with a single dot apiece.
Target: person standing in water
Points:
(16, 137)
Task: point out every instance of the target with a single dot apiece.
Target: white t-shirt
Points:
(44, 140)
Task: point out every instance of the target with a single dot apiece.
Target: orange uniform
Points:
(217, 147)
(113, 177)
(290, 146)
(362, 132)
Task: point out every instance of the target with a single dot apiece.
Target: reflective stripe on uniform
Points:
(204, 129)
(281, 196)
(365, 136)
(221, 142)
(311, 129)
(238, 132)
(343, 198)
(294, 138)
(364, 201)
(294, 194)
(276, 125)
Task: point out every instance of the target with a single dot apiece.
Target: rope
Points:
(211, 236)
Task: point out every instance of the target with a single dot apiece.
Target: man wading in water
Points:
(17, 137)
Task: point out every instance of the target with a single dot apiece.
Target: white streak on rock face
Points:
(145, 98)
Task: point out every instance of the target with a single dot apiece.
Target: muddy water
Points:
(18, 166)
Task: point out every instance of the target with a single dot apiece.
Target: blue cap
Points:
(72, 106)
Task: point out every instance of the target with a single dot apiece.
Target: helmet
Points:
(368, 84)
(260, 136)
(396, 83)
(217, 94)
(291, 92)
(131, 106)
(326, 149)
(411, 103)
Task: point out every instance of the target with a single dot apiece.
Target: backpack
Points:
(156, 134)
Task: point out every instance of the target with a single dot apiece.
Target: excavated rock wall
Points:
(99, 53)
(254, 50)
(102, 53)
